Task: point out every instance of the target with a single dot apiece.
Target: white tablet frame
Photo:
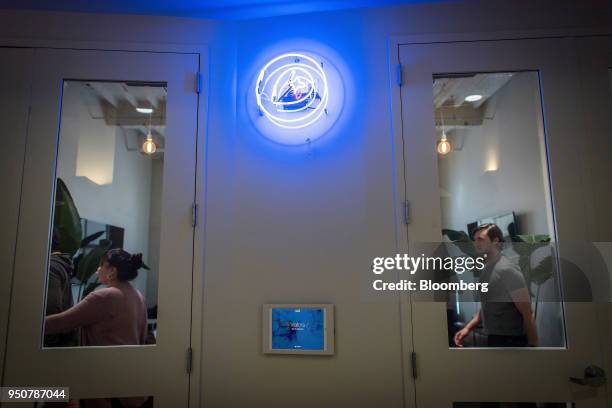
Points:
(328, 328)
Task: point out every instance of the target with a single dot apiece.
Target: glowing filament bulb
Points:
(444, 146)
(149, 146)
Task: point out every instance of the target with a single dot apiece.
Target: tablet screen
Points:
(298, 328)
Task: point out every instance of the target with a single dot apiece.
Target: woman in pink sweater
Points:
(115, 315)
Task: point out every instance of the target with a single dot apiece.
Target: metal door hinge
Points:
(189, 360)
(406, 212)
(199, 82)
(194, 214)
(398, 75)
(413, 362)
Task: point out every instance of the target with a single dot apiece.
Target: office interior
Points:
(148, 128)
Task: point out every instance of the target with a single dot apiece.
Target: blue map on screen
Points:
(298, 329)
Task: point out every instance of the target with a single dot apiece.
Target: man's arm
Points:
(522, 301)
(466, 329)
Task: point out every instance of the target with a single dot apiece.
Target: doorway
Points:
(110, 163)
(490, 137)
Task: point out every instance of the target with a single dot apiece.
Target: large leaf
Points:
(535, 238)
(529, 243)
(91, 260)
(66, 221)
(87, 240)
(462, 241)
(543, 272)
(455, 235)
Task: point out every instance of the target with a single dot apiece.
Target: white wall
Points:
(291, 227)
(157, 173)
(499, 168)
(295, 228)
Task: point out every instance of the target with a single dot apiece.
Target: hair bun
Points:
(136, 261)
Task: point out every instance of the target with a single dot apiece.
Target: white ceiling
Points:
(116, 103)
(453, 112)
(452, 91)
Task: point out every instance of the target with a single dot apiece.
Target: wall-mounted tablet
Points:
(298, 329)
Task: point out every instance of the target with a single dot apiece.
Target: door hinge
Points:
(194, 215)
(406, 212)
(199, 82)
(189, 360)
(413, 363)
(398, 75)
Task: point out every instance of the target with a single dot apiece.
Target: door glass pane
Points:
(495, 197)
(104, 252)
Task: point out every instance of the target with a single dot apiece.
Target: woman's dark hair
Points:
(127, 265)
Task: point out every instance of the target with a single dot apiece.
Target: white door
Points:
(595, 55)
(512, 115)
(14, 81)
(91, 114)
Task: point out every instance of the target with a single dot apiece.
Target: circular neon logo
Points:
(292, 91)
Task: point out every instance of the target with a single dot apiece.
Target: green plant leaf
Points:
(529, 243)
(87, 240)
(456, 236)
(542, 272)
(534, 238)
(91, 260)
(66, 221)
(462, 240)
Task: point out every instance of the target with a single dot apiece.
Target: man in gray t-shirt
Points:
(506, 307)
(498, 313)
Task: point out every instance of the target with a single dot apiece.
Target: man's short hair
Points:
(492, 231)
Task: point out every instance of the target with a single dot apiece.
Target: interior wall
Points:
(302, 225)
(499, 167)
(157, 173)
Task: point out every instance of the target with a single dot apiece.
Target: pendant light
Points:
(444, 146)
(149, 146)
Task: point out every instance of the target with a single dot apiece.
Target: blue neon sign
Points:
(292, 91)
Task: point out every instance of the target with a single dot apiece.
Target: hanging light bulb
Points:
(444, 146)
(149, 146)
